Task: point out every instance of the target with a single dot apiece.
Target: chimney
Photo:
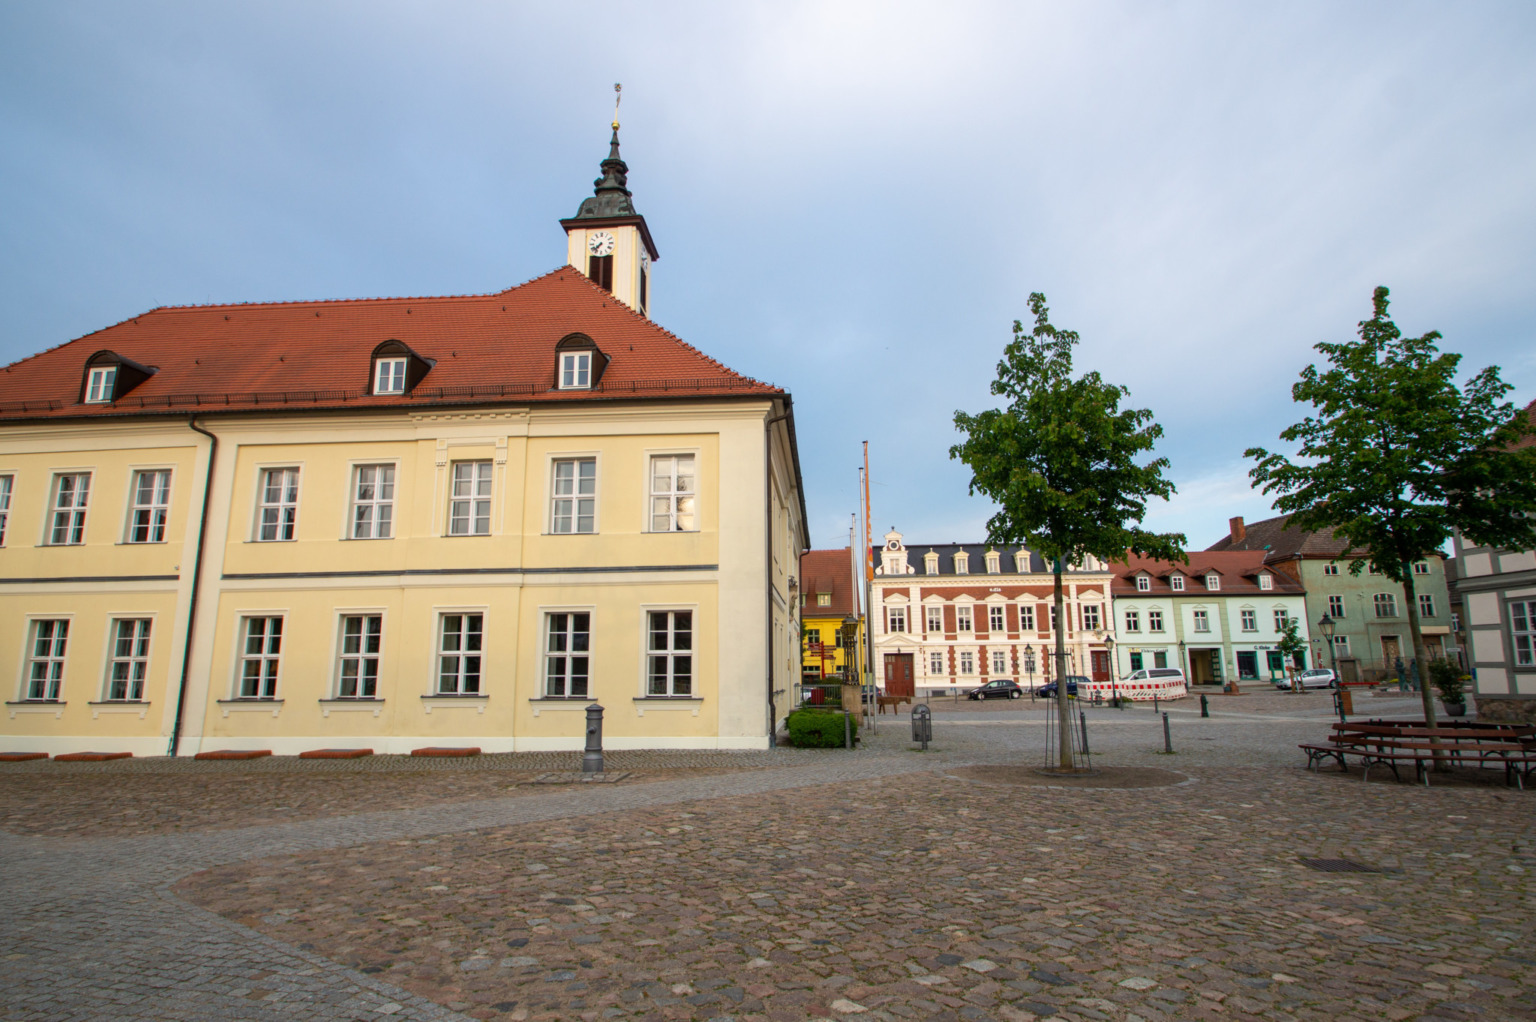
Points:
(1239, 531)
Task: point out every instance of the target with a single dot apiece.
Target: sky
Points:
(851, 200)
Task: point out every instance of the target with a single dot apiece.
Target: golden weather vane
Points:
(618, 94)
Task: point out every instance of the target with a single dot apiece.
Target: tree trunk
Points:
(1416, 636)
(1063, 711)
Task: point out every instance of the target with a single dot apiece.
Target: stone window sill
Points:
(443, 700)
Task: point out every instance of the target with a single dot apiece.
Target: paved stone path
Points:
(742, 870)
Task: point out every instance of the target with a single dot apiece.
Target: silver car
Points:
(1316, 677)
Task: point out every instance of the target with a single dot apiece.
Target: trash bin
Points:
(1346, 701)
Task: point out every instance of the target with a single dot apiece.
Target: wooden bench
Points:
(894, 702)
(1384, 744)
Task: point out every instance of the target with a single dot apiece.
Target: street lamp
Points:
(1029, 667)
(1326, 625)
(1114, 671)
(850, 646)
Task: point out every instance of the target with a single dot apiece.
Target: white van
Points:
(1163, 674)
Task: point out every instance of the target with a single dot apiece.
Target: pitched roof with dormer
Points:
(1239, 571)
(829, 572)
(494, 348)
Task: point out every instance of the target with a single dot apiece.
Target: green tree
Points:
(1396, 457)
(1061, 463)
(1291, 645)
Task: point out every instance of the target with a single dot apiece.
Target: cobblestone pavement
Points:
(862, 886)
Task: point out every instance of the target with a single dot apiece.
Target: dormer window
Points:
(1265, 581)
(1176, 583)
(994, 563)
(1213, 582)
(576, 370)
(397, 369)
(109, 376)
(1143, 584)
(931, 563)
(389, 376)
(962, 564)
(98, 389)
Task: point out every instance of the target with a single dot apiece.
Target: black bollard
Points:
(592, 759)
(1205, 707)
(847, 730)
(1154, 701)
(1082, 721)
(1167, 737)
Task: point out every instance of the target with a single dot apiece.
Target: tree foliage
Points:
(1060, 460)
(1396, 457)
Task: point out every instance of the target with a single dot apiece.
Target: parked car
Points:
(1001, 688)
(1048, 690)
(1163, 674)
(1316, 677)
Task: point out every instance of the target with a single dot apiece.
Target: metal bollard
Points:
(1154, 700)
(1205, 707)
(1082, 721)
(922, 725)
(1167, 737)
(847, 730)
(592, 759)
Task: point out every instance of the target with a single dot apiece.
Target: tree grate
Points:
(1340, 866)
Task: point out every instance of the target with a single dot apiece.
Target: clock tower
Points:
(608, 241)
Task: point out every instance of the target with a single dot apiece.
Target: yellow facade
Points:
(826, 630)
(731, 573)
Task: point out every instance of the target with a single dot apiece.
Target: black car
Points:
(1002, 688)
(1048, 691)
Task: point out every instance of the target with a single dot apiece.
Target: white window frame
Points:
(468, 645)
(1337, 607)
(994, 564)
(1426, 604)
(962, 564)
(7, 485)
(380, 523)
(1387, 602)
(823, 599)
(1421, 567)
(1341, 645)
(567, 656)
(1155, 620)
(99, 385)
(1202, 621)
(1092, 619)
(965, 618)
(389, 375)
(1143, 584)
(1176, 583)
(269, 660)
(70, 517)
(572, 501)
(1133, 621)
(936, 663)
(1282, 619)
(1265, 581)
(896, 620)
(1213, 583)
(132, 660)
(576, 370)
(999, 662)
(1330, 568)
(156, 513)
(673, 518)
(997, 618)
(930, 564)
(368, 649)
(1522, 632)
(1026, 617)
(661, 662)
(1250, 620)
(935, 618)
(284, 513)
(51, 688)
(469, 513)
(967, 662)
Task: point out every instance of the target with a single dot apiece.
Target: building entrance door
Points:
(898, 674)
(1200, 672)
(1248, 666)
(1391, 649)
(1100, 665)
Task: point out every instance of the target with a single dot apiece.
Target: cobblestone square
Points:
(792, 884)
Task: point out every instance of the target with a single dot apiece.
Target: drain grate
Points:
(1340, 866)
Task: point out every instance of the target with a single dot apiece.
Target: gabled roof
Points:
(976, 560)
(1239, 571)
(826, 571)
(1279, 539)
(489, 349)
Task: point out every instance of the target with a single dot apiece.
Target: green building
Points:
(1370, 621)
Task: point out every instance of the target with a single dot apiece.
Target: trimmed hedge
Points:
(816, 729)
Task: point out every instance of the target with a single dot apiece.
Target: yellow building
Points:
(827, 599)
(399, 523)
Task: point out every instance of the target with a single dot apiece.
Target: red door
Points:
(1100, 665)
(898, 674)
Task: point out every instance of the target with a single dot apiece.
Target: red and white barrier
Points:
(1154, 688)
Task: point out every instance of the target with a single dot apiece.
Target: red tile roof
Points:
(1238, 569)
(826, 571)
(494, 348)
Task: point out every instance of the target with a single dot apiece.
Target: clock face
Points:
(600, 243)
